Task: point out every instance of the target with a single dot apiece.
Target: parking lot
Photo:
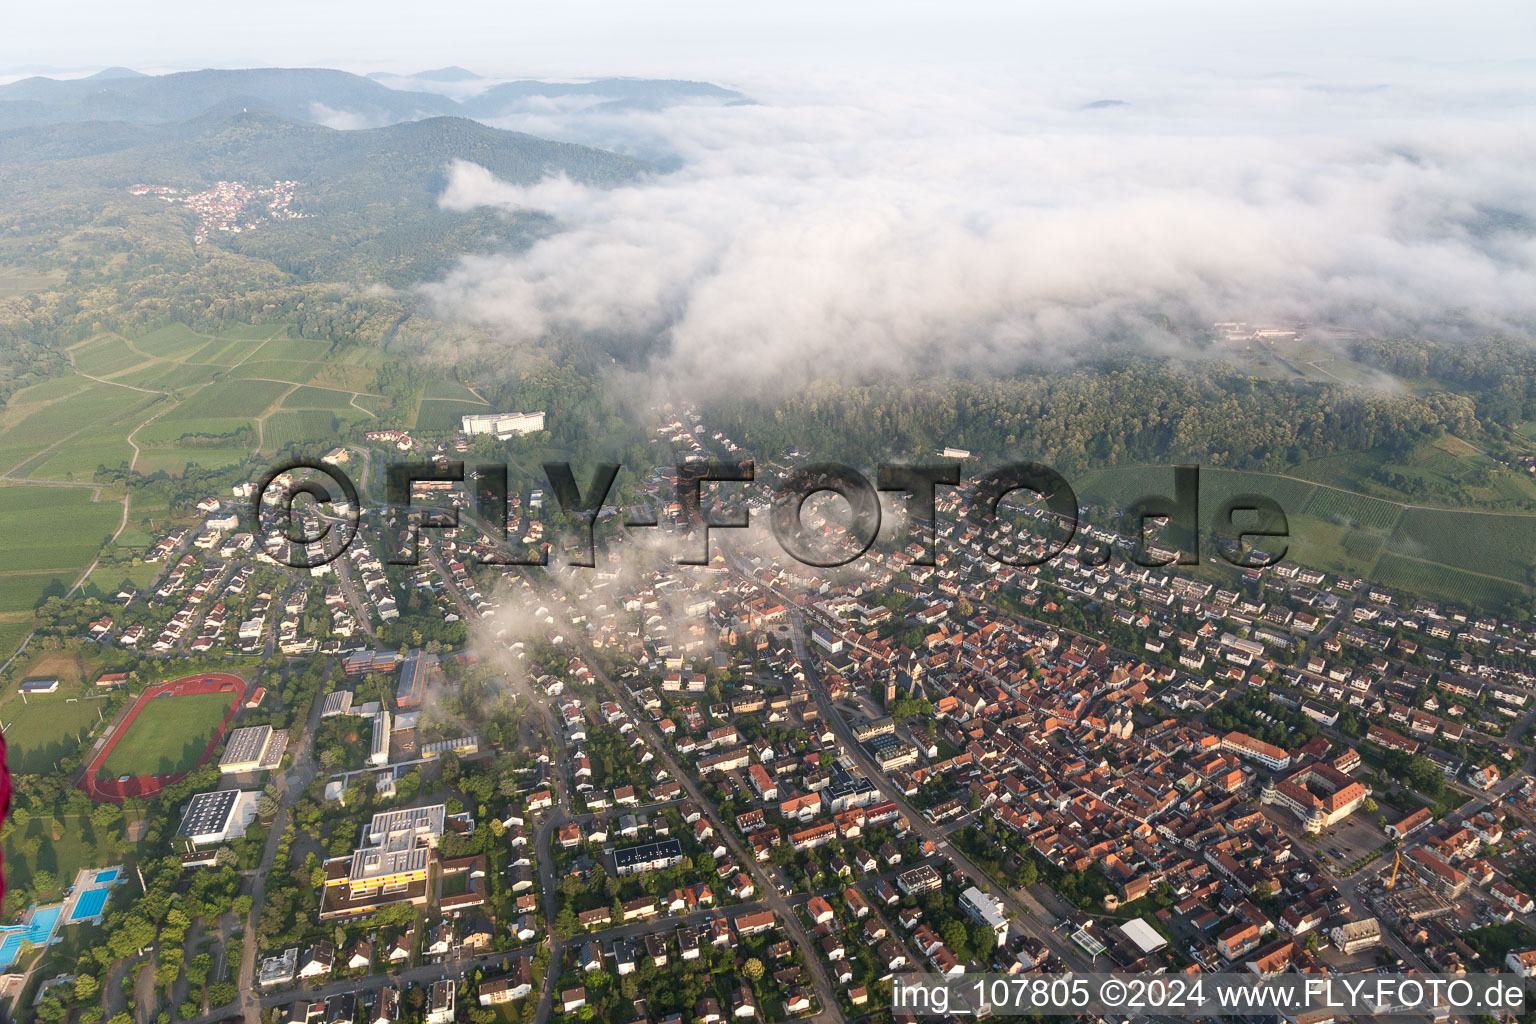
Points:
(1353, 838)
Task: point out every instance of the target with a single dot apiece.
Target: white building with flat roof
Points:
(985, 909)
(503, 424)
(378, 752)
(246, 749)
(219, 816)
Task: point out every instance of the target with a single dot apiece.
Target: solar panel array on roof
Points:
(245, 747)
(207, 813)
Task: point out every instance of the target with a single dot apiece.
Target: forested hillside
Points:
(1079, 419)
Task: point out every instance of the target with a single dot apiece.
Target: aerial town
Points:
(229, 206)
(437, 789)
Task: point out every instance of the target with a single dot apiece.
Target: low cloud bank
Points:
(864, 230)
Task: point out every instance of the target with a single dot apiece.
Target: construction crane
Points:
(1397, 862)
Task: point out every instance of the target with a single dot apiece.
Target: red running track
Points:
(117, 790)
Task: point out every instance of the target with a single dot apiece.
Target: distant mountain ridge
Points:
(257, 144)
(300, 94)
(611, 93)
(368, 197)
(316, 95)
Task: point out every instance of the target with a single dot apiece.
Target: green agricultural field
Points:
(173, 378)
(105, 356)
(173, 342)
(37, 395)
(228, 400)
(52, 527)
(162, 433)
(289, 371)
(451, 390)
(1217, 486)
(21, 593)
(174, 460)
(168, 736)
(329, 399)
(178, 342)
(299, 427)
(44, 729)
(1344, 507)
(31, 430)
(14, 627)
(1348, 471)
(1494, 545)
(311, 350)
(224, 353)
(372, 403)
(1443, 582)
(1119, 488)
(445, 415)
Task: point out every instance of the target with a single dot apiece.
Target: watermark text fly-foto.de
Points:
(1207, 995)
(1236, 524)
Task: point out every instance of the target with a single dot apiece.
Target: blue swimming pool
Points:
(89, 905)
(109, 875)
(37, 930)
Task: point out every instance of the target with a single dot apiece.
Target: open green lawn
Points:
(168, 736)
(107, 579)
(78, 844)
(46, 728)
(147, 516)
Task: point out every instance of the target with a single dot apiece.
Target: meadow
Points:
(45, 728)
(39, 729)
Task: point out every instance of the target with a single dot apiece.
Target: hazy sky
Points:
(926, 181)
(595, 37)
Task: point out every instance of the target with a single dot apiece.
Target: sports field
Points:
(169, 735)
(43, 729)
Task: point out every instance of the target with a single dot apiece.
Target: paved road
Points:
(290, 786)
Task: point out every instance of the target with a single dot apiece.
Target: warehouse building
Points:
(219, 816)
(247, 749)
